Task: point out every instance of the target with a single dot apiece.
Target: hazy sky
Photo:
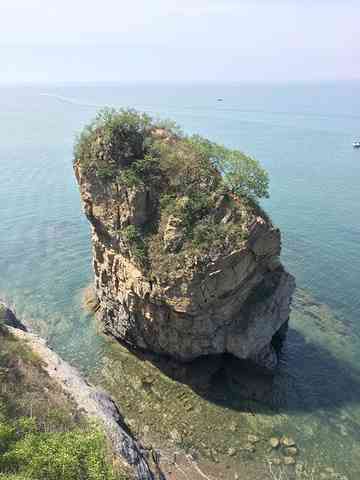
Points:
(177, 41)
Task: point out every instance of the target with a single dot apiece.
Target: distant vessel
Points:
(356, 144)
(220, 99)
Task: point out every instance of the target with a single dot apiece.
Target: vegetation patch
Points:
(42, 434)
(26, 452)
(211, 191)
(134, 238)
(140, 172)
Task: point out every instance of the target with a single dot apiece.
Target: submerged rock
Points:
(274, 442)
(253, 439)
(183, 266)
(249, 447)
(288, 442)
(231, 452)
(291, 451)
(90, 302)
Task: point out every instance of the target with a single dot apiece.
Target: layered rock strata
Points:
(231, 300)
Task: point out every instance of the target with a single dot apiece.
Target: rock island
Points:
(186, 262)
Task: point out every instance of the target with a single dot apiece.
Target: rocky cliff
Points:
(183, 265)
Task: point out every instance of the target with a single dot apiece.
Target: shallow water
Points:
(303, 136)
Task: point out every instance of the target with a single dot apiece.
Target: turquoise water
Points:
(303, 137)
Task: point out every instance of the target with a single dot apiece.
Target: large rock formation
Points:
(184, 288)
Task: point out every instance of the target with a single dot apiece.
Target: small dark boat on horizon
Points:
(356, 144)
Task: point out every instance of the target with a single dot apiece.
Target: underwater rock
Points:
(291, 451)
(288, 442)
(274, 442)
(90, 302)
(249, 447)
(231, 452)
(253, 439)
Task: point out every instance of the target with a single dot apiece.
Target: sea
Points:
(301, 133)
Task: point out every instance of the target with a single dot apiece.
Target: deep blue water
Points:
(303, 136)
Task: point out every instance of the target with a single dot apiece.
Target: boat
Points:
(220, 99)
(356, 144)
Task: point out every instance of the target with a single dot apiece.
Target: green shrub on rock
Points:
(113, 139)
(243, 174)
(203, 186)
(141, 171)
(135, 240)
(126, 138)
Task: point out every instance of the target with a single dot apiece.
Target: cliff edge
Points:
(186, 263)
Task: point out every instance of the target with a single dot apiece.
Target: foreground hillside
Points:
(43, 435)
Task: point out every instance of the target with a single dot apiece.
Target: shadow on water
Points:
(309, 378)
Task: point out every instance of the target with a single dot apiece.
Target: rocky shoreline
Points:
(94, 402)
(249, 452)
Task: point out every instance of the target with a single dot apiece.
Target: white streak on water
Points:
(72, 101)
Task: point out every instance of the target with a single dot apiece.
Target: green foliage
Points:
(106, 172)
(241, 173)
(129, 178)
(26, 389)
(113, 139)
(205, 234)
(11, 476)
(197, 206)
(147, 167)
(134, 238)
(170, 126)
(216, 235)
(186, 168)
(15, 348)
(245, 176)
(197, 180)
(42, 434)
(7, 436)
(168, 202)
(130, 233)
(28, 453)
(189, 209)
(145, 170)
(124, 141)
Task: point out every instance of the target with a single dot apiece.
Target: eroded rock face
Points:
(173, 234)
(233, 302)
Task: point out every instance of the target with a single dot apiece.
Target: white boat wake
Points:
(72, 101)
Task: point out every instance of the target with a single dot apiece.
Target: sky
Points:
(167, 41)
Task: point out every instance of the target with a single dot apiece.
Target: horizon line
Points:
(65, 83)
